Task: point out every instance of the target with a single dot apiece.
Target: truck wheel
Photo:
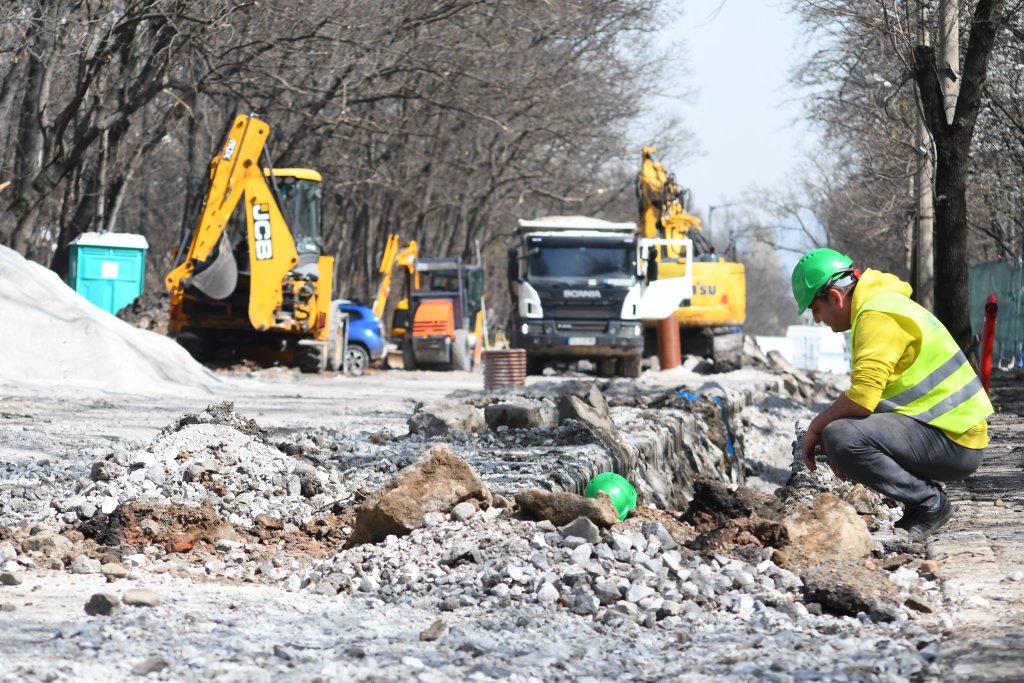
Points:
(606, 367)
(630, 366)
(408, 355)
(311, 358)
(462, 359)
(534, 365)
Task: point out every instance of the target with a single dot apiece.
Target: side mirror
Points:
(652, 265)
(513, 265)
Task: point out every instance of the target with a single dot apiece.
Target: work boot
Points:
(920, 523)
(910, 515)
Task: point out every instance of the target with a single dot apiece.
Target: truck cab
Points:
(580, 290)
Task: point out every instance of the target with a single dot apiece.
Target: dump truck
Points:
(710, 324)
(581, 289)
(250, 277)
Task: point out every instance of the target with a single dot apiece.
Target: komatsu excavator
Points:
(711, 324)
(250, 276)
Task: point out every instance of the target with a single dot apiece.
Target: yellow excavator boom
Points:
(396, 254)
(236, 174)
(719, 286)
(661, 211)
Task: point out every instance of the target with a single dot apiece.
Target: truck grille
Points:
(423, 328)
(582, 326)
(606, 308)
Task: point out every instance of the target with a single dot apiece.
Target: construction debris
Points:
(343, 543)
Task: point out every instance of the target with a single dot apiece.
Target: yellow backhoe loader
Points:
(711, 325)
(250, 277)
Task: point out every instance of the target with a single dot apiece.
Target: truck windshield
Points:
(582, 262)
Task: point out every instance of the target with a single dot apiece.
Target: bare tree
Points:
(953, 141)
(861, 86)
(443, 121)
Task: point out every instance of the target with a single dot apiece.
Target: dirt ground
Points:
(981, 552)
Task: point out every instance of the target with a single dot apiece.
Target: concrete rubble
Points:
(346, 530)
(460, 527)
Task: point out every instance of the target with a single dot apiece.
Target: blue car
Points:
(365, 336)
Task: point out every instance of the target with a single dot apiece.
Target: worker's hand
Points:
(812, 439)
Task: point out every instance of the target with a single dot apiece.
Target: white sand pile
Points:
(50, 334)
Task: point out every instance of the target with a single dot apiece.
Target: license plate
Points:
(582, 341)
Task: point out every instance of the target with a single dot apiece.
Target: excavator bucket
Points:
(219, 279)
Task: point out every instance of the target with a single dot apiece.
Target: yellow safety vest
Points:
(940, 388)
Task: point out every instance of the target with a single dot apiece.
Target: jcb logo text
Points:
(261, 231)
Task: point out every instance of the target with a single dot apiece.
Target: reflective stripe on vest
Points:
(940, 388)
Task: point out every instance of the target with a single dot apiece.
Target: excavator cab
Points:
(301, 197)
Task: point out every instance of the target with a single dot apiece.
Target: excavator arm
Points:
(396, 255)
(719, 286)
(237, 176)
(662, 214)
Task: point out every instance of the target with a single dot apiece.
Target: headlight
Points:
(637, 330)
(525, 329)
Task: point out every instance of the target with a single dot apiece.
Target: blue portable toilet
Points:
(108, 268)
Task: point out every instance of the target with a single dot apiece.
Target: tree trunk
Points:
(29, 152)
(952, 151)
(952, 305)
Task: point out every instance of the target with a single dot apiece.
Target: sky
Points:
(743, 115)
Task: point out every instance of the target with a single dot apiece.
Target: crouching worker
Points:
(915, 411)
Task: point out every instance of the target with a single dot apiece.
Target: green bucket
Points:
(617, 487)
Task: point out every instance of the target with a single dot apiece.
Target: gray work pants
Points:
(898, 456)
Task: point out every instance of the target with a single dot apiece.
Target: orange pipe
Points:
(669, 355)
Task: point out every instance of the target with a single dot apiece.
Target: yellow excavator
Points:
(250, 277)
(711, 325)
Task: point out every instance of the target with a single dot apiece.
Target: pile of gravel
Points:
(215, 457)
(635, 571)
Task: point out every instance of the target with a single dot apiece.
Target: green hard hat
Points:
(813, 271)
(618, 488)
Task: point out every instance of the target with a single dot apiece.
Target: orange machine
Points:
(445, 310)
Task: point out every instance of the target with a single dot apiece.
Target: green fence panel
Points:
(1005, 279)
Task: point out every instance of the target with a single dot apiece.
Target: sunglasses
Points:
(832, 282)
